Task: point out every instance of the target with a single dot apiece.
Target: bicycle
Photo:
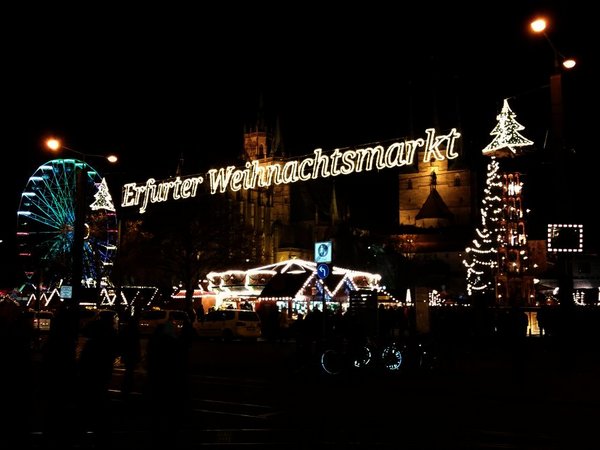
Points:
(344, 356)
(419, 354)
(415, 354)
(347, 356)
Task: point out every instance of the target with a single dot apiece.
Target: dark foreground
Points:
(261, 395)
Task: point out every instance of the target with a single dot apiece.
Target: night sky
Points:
(153, 85)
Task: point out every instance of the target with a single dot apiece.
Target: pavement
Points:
(539, 394)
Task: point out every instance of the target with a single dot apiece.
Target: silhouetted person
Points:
(247, 306)
(517, 323)
(131, 353)
(314, 321)
(58, 379)
(305, 348)
(16, 379)
(541, 320)
(167, 387)
(200, 313)
(95, 372)
(283, 325)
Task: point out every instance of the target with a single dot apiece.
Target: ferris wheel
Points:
(46, 224)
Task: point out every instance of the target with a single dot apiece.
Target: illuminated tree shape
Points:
(481, 258)
(103, 199)
(506, 134)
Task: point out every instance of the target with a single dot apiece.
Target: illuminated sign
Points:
(153, 192)
(565, 238)
(319, 165)
(323, 252)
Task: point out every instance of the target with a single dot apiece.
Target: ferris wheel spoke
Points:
(46, 219)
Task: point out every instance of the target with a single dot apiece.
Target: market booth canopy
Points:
(289, 279)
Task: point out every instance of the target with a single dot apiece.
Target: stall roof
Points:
(286, 278)
(285, 285)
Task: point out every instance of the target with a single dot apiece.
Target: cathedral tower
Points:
(264, 210)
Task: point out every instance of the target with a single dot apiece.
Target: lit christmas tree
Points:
(103, 199)
(481, 259)
(502, 230)
(507, 139)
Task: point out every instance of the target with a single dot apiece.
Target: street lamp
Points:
(77, 250)
(562, 200)
(539, 26)
(55, 145)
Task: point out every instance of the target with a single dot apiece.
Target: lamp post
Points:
(77, 250)
(539, 26)
(561, 184)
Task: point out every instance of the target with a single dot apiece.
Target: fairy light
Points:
(481, 259)
(502, 220)
(250, 283)
(506, 134)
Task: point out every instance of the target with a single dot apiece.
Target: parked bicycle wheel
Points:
(333, 362)
(392, 357)
(363, 357)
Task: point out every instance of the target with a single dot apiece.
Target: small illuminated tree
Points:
(103, 199)
(507, 139)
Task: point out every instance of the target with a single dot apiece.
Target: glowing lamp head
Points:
(539, 25)
(569, 63)
(53, 144)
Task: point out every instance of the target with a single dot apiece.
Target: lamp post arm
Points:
(557, 55)
(56, 144)
(87, 155)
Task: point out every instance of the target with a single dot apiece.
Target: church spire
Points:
(179, 170)
(260, 118)
(258, 140)
(335, 217)
(277, 148)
